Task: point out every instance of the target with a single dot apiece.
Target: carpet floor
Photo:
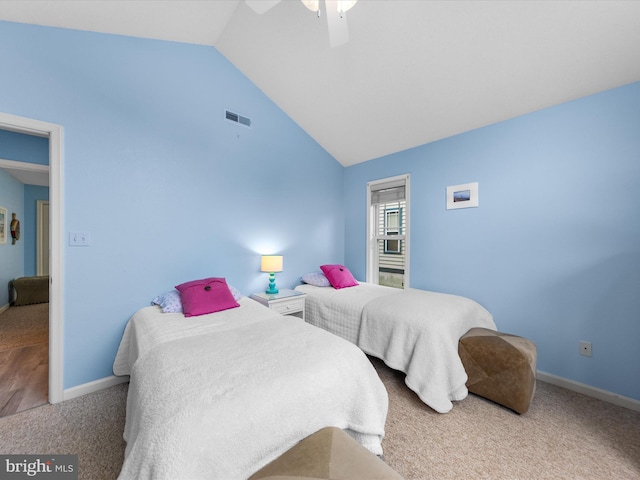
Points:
(564, 435)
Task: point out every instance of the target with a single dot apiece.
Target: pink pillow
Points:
(339, 276)
(205, 296)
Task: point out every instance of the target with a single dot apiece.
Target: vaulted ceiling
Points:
(412, 72)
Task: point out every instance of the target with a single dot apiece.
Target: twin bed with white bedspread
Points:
(220, 395)
(414, 331)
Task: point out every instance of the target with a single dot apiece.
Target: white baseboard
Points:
(4, 307)
(94, 386)
(600, 394)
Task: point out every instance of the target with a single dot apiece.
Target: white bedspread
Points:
(339, 311)
(414, 331)
(221, 395)
(417, 332)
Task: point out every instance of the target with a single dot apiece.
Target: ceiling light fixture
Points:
(335, 10)
(341, 5)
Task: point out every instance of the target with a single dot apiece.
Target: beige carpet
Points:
(22, 326)
(90, 427)
(564, 435)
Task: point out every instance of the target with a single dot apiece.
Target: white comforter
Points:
(339, 311)
(221, 395)
(414, 331)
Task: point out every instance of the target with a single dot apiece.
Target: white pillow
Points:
(169, 302)
(317, 278)
(235, 292)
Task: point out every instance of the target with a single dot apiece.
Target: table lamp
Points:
(271, 264)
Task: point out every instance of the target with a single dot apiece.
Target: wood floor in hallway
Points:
(24, 358)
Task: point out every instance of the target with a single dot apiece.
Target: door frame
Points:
(40, 241)
(56, 265)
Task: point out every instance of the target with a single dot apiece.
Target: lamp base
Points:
(272, 290)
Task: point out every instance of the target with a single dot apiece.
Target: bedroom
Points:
(150, 164)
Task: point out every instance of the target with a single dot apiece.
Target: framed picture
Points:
(462, 196)
(3, 225)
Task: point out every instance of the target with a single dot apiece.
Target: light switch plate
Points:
(79, 239)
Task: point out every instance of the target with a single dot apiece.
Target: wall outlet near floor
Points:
(585, 348)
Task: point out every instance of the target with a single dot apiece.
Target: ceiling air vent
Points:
(234, 117)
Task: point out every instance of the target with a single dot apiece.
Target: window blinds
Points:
(388, 192)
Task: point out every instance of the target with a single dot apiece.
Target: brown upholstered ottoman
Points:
(29, 290)
(329, 453)
(500, 367)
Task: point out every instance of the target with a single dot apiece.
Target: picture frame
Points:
(3, 225)
(462, 196)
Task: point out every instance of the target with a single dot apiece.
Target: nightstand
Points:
(285, 302)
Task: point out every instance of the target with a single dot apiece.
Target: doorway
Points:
(24, 327)
(56, 266)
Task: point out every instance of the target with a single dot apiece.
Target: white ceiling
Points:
(27, 173)
(413, 71)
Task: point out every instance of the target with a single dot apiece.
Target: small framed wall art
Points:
(462, 196)
(3, 225)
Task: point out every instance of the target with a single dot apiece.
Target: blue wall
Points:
(169, 190)
(29, 226)
(553, 250)
(24, 148)
(16, 260)
(32, 149)
(11, 256)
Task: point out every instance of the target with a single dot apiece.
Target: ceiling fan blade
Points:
(261, 6)
(338, 28)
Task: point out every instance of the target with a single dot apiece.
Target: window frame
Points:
(395, 231)
(372, 264)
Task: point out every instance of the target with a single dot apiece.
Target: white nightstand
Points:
(285, 302)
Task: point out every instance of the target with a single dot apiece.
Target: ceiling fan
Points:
(335, 11)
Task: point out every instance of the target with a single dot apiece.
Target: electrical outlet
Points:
(585, 348)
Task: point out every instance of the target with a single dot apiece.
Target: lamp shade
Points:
(271, 263)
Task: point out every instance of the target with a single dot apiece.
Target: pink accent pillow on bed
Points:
(339, 276)
(205, 296)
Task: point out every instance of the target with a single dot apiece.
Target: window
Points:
(392, 226)
(388, 232)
